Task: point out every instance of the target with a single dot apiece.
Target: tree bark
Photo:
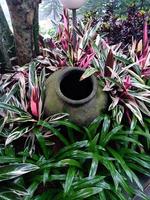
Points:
(24, 17)
(6, 43)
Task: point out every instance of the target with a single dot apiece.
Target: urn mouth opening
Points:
(74, 91)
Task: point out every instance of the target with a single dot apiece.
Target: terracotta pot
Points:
(65, 93)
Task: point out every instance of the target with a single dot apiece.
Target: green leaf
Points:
(63, 163)
(126, 139)
(5, 159)
(135, 110)
(139, 161)
(45, 195)
(89, 182)
(57, 177)
(2, 124)
(14, 109)
(88, 72)
(8, 195)
(15, 134)
(106, 125)
(10, 188)
(57, 117)
(92, 129)
(15, 170)
(69, 125)
(143, 107)
(139, 169)
(135, 75)
(86, 192)
(117, 177)
(93, 169)
(133, 124)
(120, 195)
(76, 145)
(32, 188)
(78, 154)
(10, 94)
(42, 142)
(69, 179)
(142, 195)
(46, 175)
(54, 131)
(123, 59)
(124, 166)
(22, 119)
(142, 133)
(102, 196)
(105, 138)
(66, 162)
(32, 74)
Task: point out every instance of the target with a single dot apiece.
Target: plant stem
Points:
(74, 20)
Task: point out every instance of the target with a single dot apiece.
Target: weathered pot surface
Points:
(65, 93)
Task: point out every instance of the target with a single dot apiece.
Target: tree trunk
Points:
(6, 43)
(24, 17)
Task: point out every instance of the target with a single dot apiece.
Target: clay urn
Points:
(65, 93)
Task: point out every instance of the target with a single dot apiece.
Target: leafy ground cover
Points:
(52, 158)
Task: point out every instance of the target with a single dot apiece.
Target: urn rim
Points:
(65, 72)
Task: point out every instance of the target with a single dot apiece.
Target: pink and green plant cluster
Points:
(124, 76)
(65, 161)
